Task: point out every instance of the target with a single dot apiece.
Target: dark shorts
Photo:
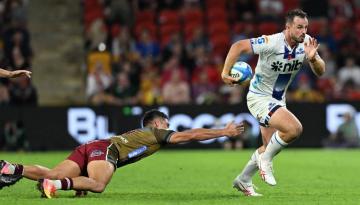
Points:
(91, 151)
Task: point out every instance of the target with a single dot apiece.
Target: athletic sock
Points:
(15, 169)
(275, 145)
(63, 184)
(19, 169)
(250, 168)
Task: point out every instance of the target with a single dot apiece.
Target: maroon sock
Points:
(66, 184)
(18, 169)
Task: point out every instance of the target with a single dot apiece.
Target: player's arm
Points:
(231, 130)
(238, 48)
(317, 64)
(14, 74)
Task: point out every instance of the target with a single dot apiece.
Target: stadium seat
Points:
(168, 17)
(337, 27)
(91, 16)
(189, 29)
(193, 16)
(290, 4)
(220, 44)
(216, 14)
(266, 28)
(145, 16)
(357, 27)
(115, 30)
(218, 28)
(315, 26)
(167, 31)
(215, 4)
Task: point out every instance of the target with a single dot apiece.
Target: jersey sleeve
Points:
(163, 136)
(263, 44)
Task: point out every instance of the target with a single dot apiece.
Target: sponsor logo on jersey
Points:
(259, 40)
(287, 67)
(300, 51)
(96, 153)
(137, 152)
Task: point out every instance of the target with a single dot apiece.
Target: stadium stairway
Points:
(56, 38)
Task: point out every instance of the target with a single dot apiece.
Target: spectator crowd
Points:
(172, 51)
(15, 53)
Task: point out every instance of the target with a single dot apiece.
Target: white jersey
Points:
(277, 65)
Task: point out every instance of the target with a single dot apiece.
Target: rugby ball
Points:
(242, 72)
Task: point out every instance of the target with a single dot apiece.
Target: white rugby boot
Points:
(266, 171)
(248, 188)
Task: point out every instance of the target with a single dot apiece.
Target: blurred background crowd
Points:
(154, 52)
(15, 53)
(171, 51)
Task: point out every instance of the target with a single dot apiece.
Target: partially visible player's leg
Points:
(99, 171)
(66, 168)
(11, 173)
(288, 129)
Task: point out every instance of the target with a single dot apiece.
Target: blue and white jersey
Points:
(277, 65)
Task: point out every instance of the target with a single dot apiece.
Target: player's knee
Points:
(296, 131)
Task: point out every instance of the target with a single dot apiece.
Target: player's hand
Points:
(18, 73)
(228, 79)
(234, 130)
(311, 48)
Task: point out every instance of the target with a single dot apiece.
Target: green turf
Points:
(205, 177)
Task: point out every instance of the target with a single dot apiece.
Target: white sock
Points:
(57, 184)
(250, 168)
(275, 145)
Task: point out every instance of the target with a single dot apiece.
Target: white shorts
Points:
(263, 106)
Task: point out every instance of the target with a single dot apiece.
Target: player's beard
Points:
(299, 39)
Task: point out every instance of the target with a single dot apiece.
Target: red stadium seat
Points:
(357, 27)
(189, 29)
(167, 30)
(267, 28)
(290, 4)
(315, 25)
(193, 16)
(220, 44)
(216, 14)
(168, 17)
(92, 15)
(145, 16)
(215, 4)
(115, 30)
(218, 28)
(337, 27)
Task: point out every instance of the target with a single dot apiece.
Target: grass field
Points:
(205, 177)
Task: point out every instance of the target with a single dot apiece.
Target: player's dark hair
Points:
(150, 115)
(290, 15)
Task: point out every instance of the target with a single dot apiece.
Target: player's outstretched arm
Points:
(14, 74)
(238, 48)
(231, 130)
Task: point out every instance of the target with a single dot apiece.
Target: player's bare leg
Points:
(288, 129)
(11, 173)
(66, 168)
(99, 172)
